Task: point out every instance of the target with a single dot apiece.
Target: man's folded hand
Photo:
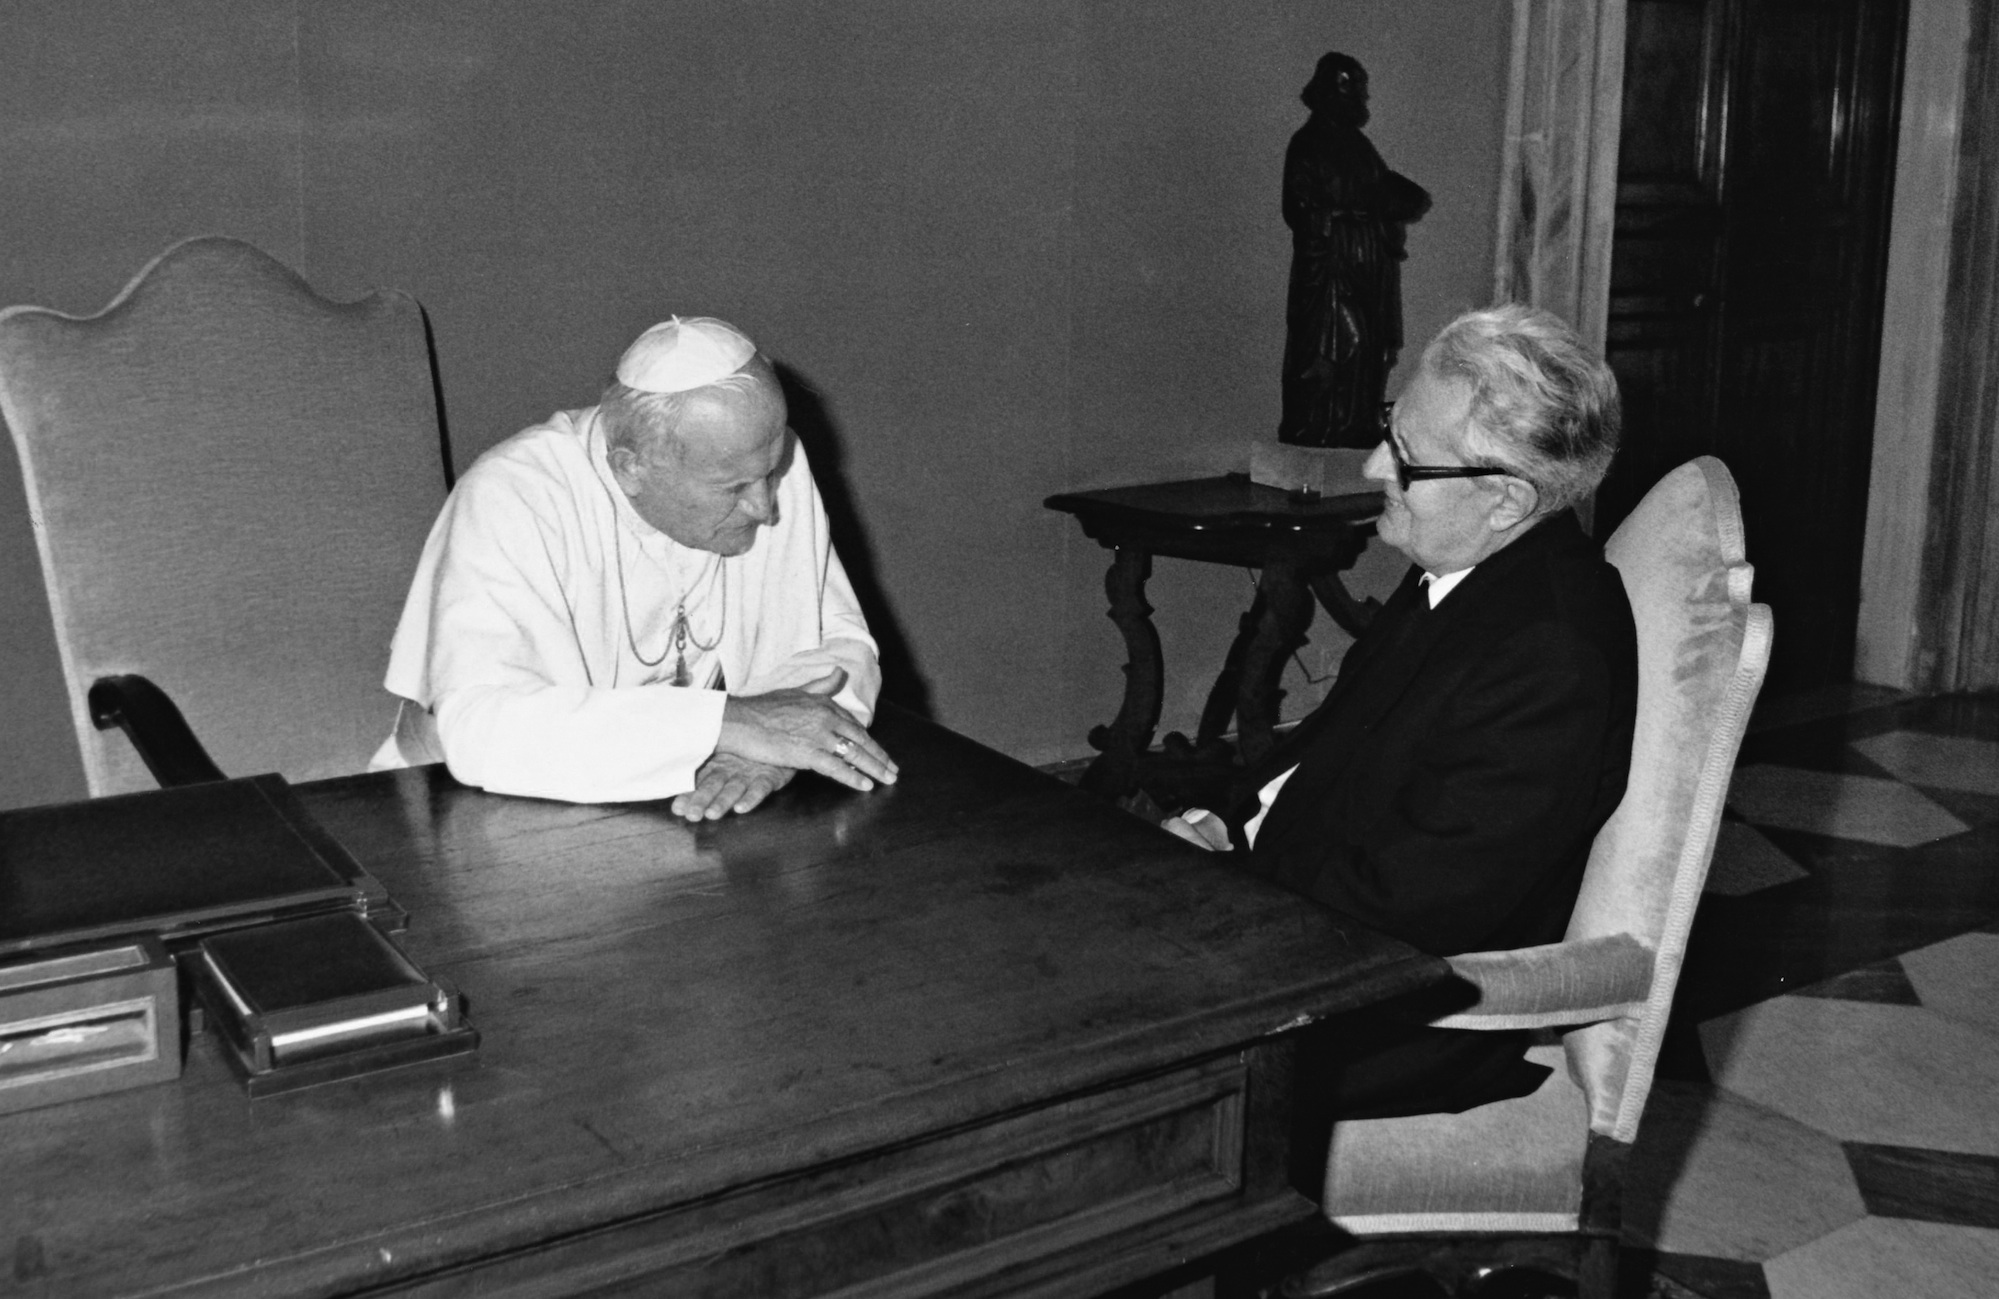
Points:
(1200, 827)
(803, 728)
(727, 783)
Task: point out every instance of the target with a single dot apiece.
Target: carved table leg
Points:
(1115, 771)
(1219, 710)
(1287, 612)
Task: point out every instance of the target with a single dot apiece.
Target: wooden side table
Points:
(1301, 545)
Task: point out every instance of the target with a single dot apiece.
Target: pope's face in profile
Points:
(713, 483)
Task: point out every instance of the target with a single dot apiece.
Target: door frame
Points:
(1929, 584)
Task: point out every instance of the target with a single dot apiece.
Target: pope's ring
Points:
(843, 746)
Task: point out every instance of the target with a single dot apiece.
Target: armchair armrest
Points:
(154, 725)
(1560, 984)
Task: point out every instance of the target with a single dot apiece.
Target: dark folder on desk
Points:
(175, 862)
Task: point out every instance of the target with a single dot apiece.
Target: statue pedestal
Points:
(1313, 471)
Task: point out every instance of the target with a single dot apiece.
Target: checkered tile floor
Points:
(1826, 1122)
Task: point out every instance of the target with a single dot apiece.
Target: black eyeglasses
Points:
(1406, 473)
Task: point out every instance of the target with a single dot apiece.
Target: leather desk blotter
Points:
(173, 862)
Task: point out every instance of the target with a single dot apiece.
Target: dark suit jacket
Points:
(1449, 787)
(1447, 793)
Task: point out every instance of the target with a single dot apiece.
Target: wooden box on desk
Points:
(84, 1021)
(323, 998)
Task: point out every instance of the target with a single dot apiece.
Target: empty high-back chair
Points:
(1537, 1181)
(230, 479)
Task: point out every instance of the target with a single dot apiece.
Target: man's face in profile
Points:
(714, 483)
(1441, 524)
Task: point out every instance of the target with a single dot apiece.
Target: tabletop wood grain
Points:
(670, 1012)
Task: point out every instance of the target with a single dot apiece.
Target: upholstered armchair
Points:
(1536, 1181)
(229, 480)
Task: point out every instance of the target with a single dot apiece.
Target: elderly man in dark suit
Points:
(1448, 789)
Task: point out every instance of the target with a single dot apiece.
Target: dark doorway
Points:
(1755, 172)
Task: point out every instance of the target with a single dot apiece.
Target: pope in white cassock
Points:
(639, 600)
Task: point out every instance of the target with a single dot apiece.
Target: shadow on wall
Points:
(903, 683)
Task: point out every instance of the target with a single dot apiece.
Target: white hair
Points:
(1543, 407)
(640, 421)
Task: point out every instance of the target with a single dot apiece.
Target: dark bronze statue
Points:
(1343, 319)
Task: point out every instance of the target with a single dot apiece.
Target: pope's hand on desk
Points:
(1201, 828)
(803, 727)
(728, 783)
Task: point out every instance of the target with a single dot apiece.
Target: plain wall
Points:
(1002, 250)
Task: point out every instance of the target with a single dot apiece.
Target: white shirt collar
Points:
(1438, 587)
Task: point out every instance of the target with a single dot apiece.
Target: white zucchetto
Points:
(679, 355)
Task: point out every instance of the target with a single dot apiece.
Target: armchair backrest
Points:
(1702, 650)
(229, 479)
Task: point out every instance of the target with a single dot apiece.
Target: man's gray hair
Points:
(1543, 406)
(639, 421)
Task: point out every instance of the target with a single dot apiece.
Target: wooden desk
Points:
(1300, 545)
(974, 1034)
